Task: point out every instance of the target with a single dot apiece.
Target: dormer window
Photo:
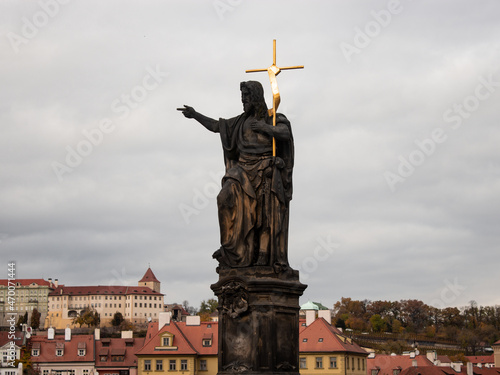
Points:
(81, 349)
(35, 352)
(207, 339)
(81, 352)
(59, 349)
(166, 341)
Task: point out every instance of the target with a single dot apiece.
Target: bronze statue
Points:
(253, 203)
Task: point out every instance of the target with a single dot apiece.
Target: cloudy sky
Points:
(395, 118)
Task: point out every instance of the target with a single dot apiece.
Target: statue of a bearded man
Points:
(256, 189)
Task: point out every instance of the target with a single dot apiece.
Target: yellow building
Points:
(190, 348)
(323, 349)
(184, 348)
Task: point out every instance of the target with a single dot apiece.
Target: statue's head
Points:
(252, 97)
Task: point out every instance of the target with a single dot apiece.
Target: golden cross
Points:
(273, 71)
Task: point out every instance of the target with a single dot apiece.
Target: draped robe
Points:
(254, 200)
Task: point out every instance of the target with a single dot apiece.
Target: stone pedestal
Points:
(258, 320)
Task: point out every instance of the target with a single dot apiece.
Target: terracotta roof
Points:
(444, 359)
(149, 276)
(187, 338)
(320, 336)
(18, 340)
(481, 359)
(117, 347)
(387, 363)
(437, 370)
(70, 354)
(102, 290)
(25, 282)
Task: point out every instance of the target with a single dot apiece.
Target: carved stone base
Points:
(258, 320)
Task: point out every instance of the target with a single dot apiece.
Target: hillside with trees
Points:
(396, 326)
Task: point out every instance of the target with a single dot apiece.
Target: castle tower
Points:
(149, 279)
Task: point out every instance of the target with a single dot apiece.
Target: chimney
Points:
(432, 356)
(97, 334)
(470, 369)
(456, 366)
(50, 333)
(163, 319)
(56, 283)
(50, 282)
(414, 363)
(67, 334)
(193, 320)
(127, 334)
(325, 314)
(310, 317)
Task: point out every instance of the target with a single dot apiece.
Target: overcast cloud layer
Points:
(395, 120)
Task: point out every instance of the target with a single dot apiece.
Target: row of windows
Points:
(85, 298)
(172, 365)
(59, 352)
(333, 363)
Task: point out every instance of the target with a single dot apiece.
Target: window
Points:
(352, 363)
(81, 352)
(147, 365)
(363, 362)
(104, 358)
(166, 341)
(184, 364)
(207, 342)
(171, 365)
(35, 352)
(45, 372)
(320, 339)
(347, 364)
(374, 372)
(304, 340)
(333, 362)
(59, 352)
(302, 362)
(396, 371)
(86, 371)
(159, 365)
(203, 365)
(319, 362)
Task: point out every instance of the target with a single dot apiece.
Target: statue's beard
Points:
(255, 108)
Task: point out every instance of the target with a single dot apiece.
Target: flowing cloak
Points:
(254, 201)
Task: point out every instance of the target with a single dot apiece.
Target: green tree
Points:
(377, 323)
(208, 306)
(117, 319)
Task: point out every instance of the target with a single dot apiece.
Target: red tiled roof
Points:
(70, 354)
(386, 363)
(117, 347)
(435, 370)
(481, 359)
(25, 282)
(187, 338)
(444, 359)
(149, 276)
(102, 290)
(320, 336)
(5, 338)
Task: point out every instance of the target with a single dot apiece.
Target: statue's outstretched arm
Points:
(207, 122)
